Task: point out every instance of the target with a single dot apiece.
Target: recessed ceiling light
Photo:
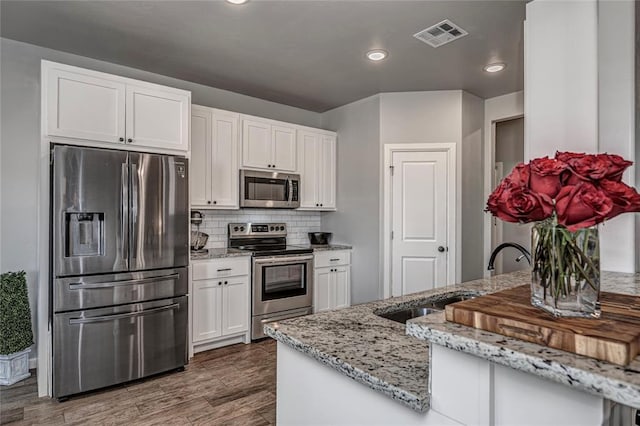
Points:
(376, 54)
(237, 1)
(497, 67)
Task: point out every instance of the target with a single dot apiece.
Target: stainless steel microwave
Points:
(269, 189)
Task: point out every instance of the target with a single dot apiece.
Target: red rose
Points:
(515, 203)
(590, 168)
(545, 175)
(519, 176)
(616, 165)
(565, 157)
(625, 198)
(582, 205)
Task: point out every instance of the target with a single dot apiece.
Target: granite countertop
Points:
(376, 351)
(381, 355)
(330, 247)
(614, 382)
(218, 253)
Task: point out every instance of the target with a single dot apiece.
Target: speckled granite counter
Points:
(372, 350)
(620, 384)
(218, 253)
(379, 354)
(330, 247)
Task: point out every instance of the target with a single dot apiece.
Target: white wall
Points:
(561, 77)
(20, 141)
(357, 220)
(616, 127)
(579, 86)
(473, 200)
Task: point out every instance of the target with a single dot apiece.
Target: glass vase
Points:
(565, 279)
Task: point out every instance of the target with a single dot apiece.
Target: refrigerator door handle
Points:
(120, 316)
(124, 212)
(133, 236)
(80, 286)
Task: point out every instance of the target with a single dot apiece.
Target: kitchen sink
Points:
(433, 306)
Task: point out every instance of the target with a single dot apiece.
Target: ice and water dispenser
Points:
(85, 234)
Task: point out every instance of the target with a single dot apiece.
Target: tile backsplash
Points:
(298, 223)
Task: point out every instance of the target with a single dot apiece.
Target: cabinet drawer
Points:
(332, 258)
(221, 268)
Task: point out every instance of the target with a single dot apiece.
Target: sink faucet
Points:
(524, 251)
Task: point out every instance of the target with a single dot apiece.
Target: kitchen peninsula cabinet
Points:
(220, 302)
(268, 144)
(214, 158)
(92, 107)
(317, 168)
(331, 280)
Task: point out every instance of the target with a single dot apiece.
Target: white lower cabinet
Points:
(332, 280)
(220, 303)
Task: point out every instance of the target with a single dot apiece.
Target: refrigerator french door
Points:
(120, 242)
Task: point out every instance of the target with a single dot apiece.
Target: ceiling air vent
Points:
(440, 33)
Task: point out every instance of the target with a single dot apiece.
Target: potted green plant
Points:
(16, 336)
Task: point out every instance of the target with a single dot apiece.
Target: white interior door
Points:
(419, 221)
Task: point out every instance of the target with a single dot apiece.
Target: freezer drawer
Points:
(102, 347)
(72, 294)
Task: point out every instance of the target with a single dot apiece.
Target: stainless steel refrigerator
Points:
(120, 248)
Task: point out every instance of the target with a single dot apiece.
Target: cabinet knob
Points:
(121, 139)
(215, 202)
(129, 140)
(219, 282)
(226, 282)
(441, 249)
(320, 204)
(208, 202)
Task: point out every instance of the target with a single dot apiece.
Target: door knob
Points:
(441, 249)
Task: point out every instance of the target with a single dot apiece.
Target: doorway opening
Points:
(509, 151)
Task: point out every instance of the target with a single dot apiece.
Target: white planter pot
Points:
(14, 367)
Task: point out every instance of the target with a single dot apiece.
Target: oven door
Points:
(281, 283)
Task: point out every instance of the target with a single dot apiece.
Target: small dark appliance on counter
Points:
(319, 238)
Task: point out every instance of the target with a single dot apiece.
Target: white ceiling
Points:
(308, 54)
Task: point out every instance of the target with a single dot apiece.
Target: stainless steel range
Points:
(282, 275)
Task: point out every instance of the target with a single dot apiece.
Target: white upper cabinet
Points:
(157, 119)
(84, 106)
(92, 106)
(214, 158)
(317, 167)
(268, 145)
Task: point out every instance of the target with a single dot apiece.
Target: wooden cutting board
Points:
(615, 337)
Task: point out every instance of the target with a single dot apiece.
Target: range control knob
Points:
(235, 228)
(271, 228)
(242, 228)
(282, 228)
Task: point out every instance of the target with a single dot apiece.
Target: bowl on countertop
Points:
(319, 238)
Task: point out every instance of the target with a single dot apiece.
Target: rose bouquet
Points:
(566, 196)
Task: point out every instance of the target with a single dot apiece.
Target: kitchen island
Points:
(325, 359)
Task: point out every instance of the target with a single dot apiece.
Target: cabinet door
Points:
(340, 284)
(256, 144)
(321, 289)
(283, 141)
(235, 305)
(157, 119)
(224, 163)
(200, 165)
(207, 309)
(85, 106)
(327, 172)
(308, 169)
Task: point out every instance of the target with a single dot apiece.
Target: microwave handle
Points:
(289, 190)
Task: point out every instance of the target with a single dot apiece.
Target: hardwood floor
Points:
(235, 385)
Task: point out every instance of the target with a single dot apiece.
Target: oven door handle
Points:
(279, 259)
